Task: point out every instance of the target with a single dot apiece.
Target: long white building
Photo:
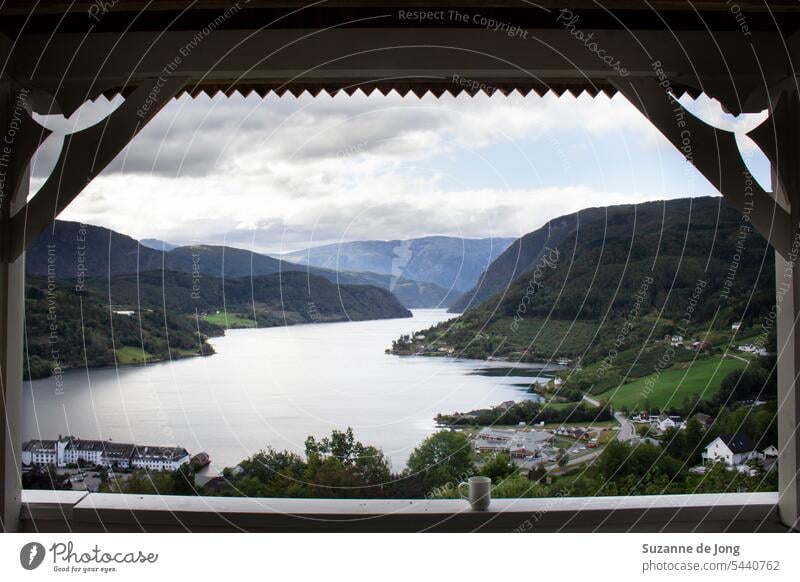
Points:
(70, 450)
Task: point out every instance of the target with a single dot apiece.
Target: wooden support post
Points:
(84, 155)
(715, 154)
(783, 129)
(787, 274)
(13, 191)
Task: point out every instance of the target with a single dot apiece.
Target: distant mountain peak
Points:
(158, 245)
(452, 263)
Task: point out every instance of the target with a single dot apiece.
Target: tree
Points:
(612, 460)
(341, 445)
(693, 438)
(499, 467)
(341, 461)
(373, 466)
(183, 480)
(538, 473)
(45, 477)
(444, 457)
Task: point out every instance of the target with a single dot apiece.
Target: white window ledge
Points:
(79, 511)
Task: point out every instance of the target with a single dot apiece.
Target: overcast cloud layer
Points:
(279, 174)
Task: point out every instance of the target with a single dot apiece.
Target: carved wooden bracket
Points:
(87, 153)
(715, 154)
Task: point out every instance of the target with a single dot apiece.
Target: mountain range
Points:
(71, 249)
(452, 263)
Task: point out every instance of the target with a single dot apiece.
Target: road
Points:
(626, 429)
(625, 433)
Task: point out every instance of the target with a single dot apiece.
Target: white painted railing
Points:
(80, 511)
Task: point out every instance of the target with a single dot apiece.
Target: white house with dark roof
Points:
(73, 451)
(735, 449)
(118, 454)
(159, 458)
(39, 452)
(664, 422)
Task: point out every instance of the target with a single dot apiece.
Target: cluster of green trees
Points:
(646, 469)
(74, 329)
(339, 466)
(528, 412)
(45, 477)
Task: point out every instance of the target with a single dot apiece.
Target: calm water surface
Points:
(274, 387)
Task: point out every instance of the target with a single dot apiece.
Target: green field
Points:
(230, 320)
(129, 355)
(673, 384)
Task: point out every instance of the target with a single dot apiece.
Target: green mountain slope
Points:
(520, 257)
(614, 286)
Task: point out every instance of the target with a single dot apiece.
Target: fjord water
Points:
(274, 387)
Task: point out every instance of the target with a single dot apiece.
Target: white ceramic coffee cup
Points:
(479, 492)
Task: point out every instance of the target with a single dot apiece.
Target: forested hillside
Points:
(614, 290)
(160, 315)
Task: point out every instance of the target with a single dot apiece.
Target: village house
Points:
(529, 444)
(575, 432)
(664, 422)
(700, 346)
(733, 450)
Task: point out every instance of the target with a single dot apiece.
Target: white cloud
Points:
(280, 172)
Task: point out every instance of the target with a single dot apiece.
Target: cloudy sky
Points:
(280, 174)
